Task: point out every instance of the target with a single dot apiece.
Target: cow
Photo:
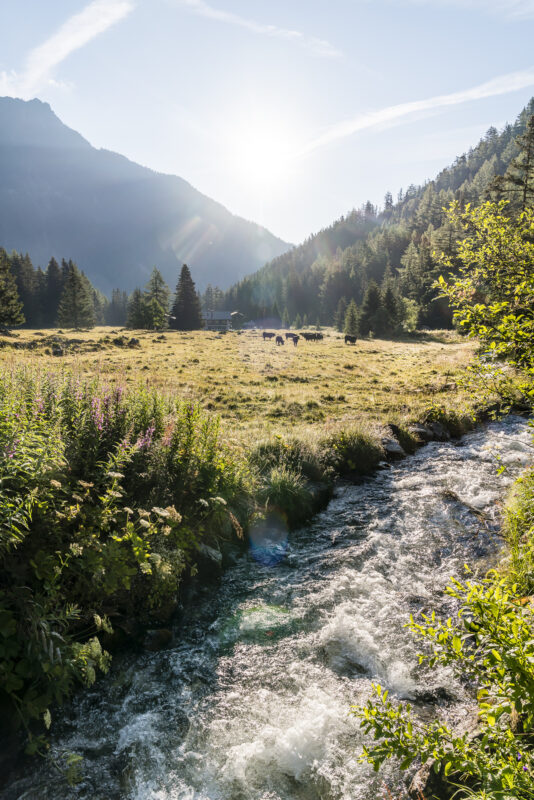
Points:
(289, 336)
(350, 339)
(279, 340)
(296, 338)
(309, 337)
(319, 337)
(267, 335)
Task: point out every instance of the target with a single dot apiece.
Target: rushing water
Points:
(252, 701)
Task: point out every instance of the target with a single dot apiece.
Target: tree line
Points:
(395, 249)
(62, 295)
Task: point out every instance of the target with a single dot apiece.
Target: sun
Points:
(262, 152)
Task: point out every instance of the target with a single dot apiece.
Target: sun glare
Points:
(262, 152)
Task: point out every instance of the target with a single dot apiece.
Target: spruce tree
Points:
(24, 273)
(10, 303)
(157, 289)
(53, 291)
(339, 316)
(137, 313)
(186, 306)
(117, 310)
(372, 313)
(350, 322)
(298, 322)
(76, 307)
(517, 184)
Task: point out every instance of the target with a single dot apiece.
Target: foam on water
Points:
(252, 703)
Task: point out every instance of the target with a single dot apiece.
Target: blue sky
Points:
(289, 113)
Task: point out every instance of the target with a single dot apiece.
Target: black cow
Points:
(267, 335)
(309, 337)
(279, 340)
(295, 339)
(350, 339)
(289, 335)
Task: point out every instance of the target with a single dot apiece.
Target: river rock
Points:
(209, 560)
(393, 448)
(421, 432)
(439, 431)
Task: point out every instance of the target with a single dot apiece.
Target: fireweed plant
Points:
(104, 499)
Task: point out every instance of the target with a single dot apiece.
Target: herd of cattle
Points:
(308, 337)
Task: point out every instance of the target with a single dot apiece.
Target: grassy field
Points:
(260, 389)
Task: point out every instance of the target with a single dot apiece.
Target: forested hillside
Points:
(377, 257)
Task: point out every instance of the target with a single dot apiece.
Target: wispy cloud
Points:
(76, 32)
(511, 9)
(384, 117)
(320, 47)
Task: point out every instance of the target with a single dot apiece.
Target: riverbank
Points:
(250, 695)
(114, 498)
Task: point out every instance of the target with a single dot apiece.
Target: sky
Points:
(288, 113)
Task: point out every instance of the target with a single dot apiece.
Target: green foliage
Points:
(185, 313)
(284, 489)
(519, 534)
(351, 451)
(490, 643)
(76, 307)
(351, 323)
(103, 499)
(10, 303)
(492, 295)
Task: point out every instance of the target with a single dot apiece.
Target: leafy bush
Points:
(104, 497)
(491, 645)
(519, 534)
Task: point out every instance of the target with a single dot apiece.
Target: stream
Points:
(251, 700)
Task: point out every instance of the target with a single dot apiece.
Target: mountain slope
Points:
(396, 244)
(61, 197)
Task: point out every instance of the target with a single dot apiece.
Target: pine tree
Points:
(393, 309)
(76, 307)
(339, 316)
(517, 184)
(186, 306)
(136, 316)
(285, 319)
(350, 322)
(298, 322)
(372, 312)
(10, 303)
(157, 289)
(24, 273)
(118, 308)
(305, 321)
(53, 291)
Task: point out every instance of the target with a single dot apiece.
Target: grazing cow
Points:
(296, 339)
(279, 340)
(350, 339)
(267, 335)
(319, 337)
(310, 337)
(289, 335)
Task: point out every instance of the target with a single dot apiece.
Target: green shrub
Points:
(519, 534)
(351, 451)
(491, 645)
(284, 490)
(103, 498)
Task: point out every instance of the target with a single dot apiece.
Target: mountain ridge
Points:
(62, 197)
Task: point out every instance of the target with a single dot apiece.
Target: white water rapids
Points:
(251, 701)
